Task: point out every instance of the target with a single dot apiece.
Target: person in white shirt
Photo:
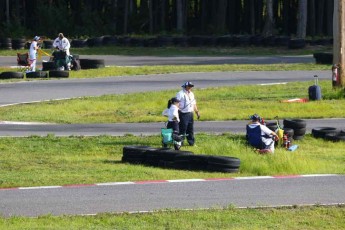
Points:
(33, 53)
(259, 136)
(187, 107)
(172, 113)
(62, 43)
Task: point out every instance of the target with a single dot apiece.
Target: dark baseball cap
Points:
(188, 84)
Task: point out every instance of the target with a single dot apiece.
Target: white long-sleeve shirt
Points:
(62, 44)
(172, 113)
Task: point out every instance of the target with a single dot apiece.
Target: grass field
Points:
(294, 218)
(223, 103)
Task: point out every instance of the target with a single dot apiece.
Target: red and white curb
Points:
(169, 181)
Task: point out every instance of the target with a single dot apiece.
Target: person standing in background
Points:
(33, 53)
(187, 107)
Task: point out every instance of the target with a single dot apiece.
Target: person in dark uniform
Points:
(187, 107)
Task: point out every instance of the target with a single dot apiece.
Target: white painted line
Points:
(114, 183)
(39, 187)
(253, 177)
(277, 83)
(185, 180)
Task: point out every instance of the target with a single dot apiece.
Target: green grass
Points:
(224, 103)
(228, 218)
(39, 161)
(144, 70)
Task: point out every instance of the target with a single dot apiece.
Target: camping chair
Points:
(23, 61)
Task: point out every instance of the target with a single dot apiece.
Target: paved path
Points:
(176, 194)
(139, 129)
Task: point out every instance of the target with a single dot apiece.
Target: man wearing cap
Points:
(259, 136)
(187, 107)
(62, 43)
(33, 53)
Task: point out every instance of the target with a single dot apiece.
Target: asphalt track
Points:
(154, 195)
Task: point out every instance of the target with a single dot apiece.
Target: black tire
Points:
(133, 160)
(37, 74)
(295, 137)
(198, 162)
(320, 132)
(340, 137)
(18, 43)
(272, 126)
(331, 136)
(289, 132)
(93, 42)
(11, 75)
(294, 123)
(50, 65)
(48, 44)
(232, 162)
(170, 155)
(323, 58)
(300, 132)
(218, 168)
(92, 63)
(58, 74)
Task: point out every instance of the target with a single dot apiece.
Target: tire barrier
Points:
(37, 74)
(184, 160)
(49, 65)
(323, 58)
(11, 75)
(298, 126)
(6, 43)
(48, 44)
(92, 63)
(18, 44)
(58, 74)
(328, 133)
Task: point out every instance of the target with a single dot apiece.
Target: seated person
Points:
(259, 136)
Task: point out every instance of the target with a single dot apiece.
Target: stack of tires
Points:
(328, 133)
(186, 160)
(92, 63)
(298, 126)
(11, 75)
(18, 44)
(6, 43)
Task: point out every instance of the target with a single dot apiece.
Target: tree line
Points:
(85, 18)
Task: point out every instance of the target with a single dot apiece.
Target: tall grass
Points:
(35, 161)
(223, 103)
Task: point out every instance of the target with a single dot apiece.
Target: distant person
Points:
(62, 43)
(187, 107)
(259, 136)
(172, 113)
(33, 53)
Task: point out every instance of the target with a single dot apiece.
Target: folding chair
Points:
(23, 61)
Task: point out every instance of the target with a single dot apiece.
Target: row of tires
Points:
(323, 58)
(36, 74)
(295, 129)
(228, 40)
(184, 160)
(84, 64)
(328, 133)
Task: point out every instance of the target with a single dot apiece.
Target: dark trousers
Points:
(173, 125)
(187, 126)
